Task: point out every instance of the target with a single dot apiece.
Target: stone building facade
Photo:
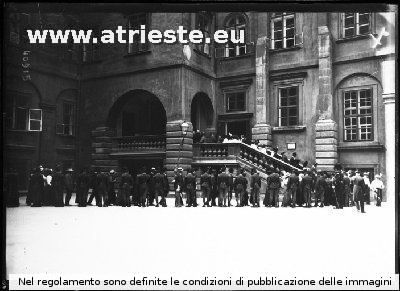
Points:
(314, 83)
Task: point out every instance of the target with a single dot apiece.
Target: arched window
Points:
(235, 23)
(203, 23)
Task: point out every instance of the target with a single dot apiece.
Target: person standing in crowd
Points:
(214, 186)
(339, 187)
(143, 187)
(347, 190)
(231, 181)
(293, 158)
(11, 188)
(285, 193)
(358, 191)
(111, 188)
(255, 184)
(307, 187)
(284, 157)
(240, 186)
(166, 188)
(37, 187)
(48, 195)
(291, 187)
(367, 190)
(83, 183)
(178, 185)
(273, 186)
(223, 185)
(329, 195)
(69, 183)
(190, 187)
(93, 184)
(320, 188)
(58, 182)
(151, 187)
(158, 186)
(28, 200)
(377, 187)
(102, 189)
(205, 182)
(125, 188)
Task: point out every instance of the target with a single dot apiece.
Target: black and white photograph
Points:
(200, 146)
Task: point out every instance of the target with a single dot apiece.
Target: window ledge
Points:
(295, 128)
(360, 146)
(66, 135)
(294, 48)
(128, 55)
(353, 38)
(236, 57)
(23, 130)
(202, 53)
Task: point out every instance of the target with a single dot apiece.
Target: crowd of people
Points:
(216, 186)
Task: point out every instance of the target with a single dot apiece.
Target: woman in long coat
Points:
(36, 187)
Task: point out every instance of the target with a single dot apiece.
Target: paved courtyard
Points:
(197, 241)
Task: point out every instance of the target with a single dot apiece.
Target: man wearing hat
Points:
(69, 183)
(223, 187)
(205, 182)
(111, 187)
(143, 187)
(37, 187)
(273, 186)
(83, 182)
(291, 187)
(347, 190)
(293, 158)
(151, 193)
(377, 187)
(240, 185)
(125, 188)
(358, 192)
(231, 180)
(367, 188)
(307, 187)
(178, 185)
(190, 187)
(255, 184)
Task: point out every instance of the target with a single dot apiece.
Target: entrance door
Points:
(237, 128)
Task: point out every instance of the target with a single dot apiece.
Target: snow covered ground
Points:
(197, 241)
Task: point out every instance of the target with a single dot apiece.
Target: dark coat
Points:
(273, 181)
(37, 188)
(293, 182)
(58, 183)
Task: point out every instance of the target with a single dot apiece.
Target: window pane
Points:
(349, 32)
(278, 35)
(293, 111)
(35, 114)
(35, 125)
(290, 33)
(364, 29)
(363, 18)
(293, 91)
(292, 120)
(21, 117)
(290, 22)
(278, 24)
(284, 101)
(293, 101)
(278, 44)
(283, 92)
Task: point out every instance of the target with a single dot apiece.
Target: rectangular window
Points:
(283, 31)
(91, 51)
(67, 125)
(203, 23)
(235, 101)
(357, 115)
(354, 24)
(35, 119)
(288, 106)
(134, 23)
(20, 116)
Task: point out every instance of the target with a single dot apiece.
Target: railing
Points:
(242, 152)
(139, 143)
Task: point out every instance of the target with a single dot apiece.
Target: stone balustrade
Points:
(139, 143)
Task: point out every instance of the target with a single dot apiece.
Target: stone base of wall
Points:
(179, 149)
(326, 144)
(262, 132)
(102, 144)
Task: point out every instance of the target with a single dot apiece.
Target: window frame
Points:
(279, 107)
(33, 119)
(356, 27)
(61, 125)
(207, 32)
(235, 91)
(236, 26)
(142, 47)
(92, 50)
(358, 115)
(283, 17)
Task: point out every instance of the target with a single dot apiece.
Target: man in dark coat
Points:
(307, 186)
(111, 188)
(143, 187)
(291, 187)
(358, 191)
(163, 201)
(338, 186)
(223, 187)
(273, 186)
(214, 186)
(58, 181)
(240, 186)
(348, 197)
(83, 183)
(37, 187)
(69, 183)
(102, 181)
(205, 183)
(231, 180)
(159, 187)
(178, 185)
(320, 188)
(93, 184)
(255, 184)
(190, 187)
(151, 187)
(11, 188)
(125, 189)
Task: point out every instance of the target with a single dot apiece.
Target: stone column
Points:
(102, 145)
(388, 94)
(326, 128)
(179, 148)
(262, 129)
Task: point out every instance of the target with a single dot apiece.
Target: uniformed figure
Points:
(111, 188)
(240, 186)
(58, 187)
(292, 186)
(205, 183)
(83, 183)
(339, 186)
(69, 183)
(223, 187)
(273, 186)
(125, 189)
(255, 184)
(159, 187)
(37, 187)
(377, 187)
(190, 187)
(231, 181)
(11, 188)
(358, 191)
(320, 188)
(348, 199)
(307, 187)
(143, 187)
(178, 185)
(214, 187)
